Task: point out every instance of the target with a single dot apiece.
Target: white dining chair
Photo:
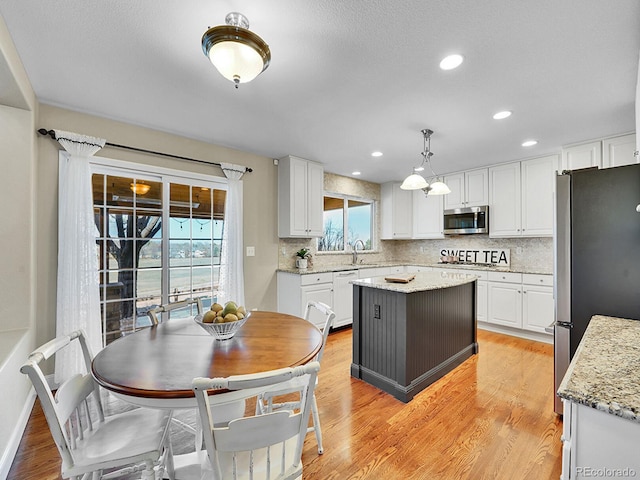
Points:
(267, 446)
(92, 445)
(265, 402)
(156, 312)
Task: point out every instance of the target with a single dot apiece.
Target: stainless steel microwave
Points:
(468, 220)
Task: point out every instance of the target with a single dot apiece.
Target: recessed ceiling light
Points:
(355, 173)
(501, 115)
(376, 154)
(529, 143)
(451, 62)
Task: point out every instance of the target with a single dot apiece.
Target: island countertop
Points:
(423, 281)
(605, 371)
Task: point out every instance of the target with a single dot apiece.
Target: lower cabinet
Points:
(598, 444)
(295, 290)
(522, 301)
(537, 302)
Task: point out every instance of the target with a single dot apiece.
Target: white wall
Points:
(17, 234)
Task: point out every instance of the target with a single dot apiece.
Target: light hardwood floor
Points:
(491, 418)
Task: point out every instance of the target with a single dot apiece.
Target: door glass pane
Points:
(135, 251)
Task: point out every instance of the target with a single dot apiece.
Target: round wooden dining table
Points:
(154, 367)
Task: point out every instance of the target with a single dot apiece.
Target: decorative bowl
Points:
(222, 331)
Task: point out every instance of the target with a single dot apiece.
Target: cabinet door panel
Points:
(317, 293)
(619, 151)
(582, 156)
(455, 199)
(482, 301)
(428, 220)
(505, 304)
(504, 201)
(538, 185)
(537, 308)
(315, 192)
(476, 188)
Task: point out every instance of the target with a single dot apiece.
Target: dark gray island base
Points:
(407, 336)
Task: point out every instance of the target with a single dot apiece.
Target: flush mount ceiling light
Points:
(452, 61)
(239, 54)
(376, 154)
(529, 143)
(139, 188)
(502, 115)
(415, 181)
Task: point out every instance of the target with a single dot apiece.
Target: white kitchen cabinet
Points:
(538, 177)
(295, 290)
(428, 219)
(300, 198)
(482, 301)
(537, 307)
(618, 151)
(396, 212)
(584, 155)
(505, 299)
(468, 189)
(343, 297)
(598, 444)
(505, 207)
(521, 198)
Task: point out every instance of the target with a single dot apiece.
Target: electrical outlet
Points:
(251, 251)
(376, 311)
(519, 250)
(283, 251)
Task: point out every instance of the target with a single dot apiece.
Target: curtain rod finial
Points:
(44, 131)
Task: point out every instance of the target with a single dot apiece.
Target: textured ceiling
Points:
(346, 77)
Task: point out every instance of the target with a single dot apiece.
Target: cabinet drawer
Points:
(536, 279)
(349, 274)
(313, 278)
(509, 277)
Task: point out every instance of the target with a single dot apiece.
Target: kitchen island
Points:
(601, 400)
(408, 335)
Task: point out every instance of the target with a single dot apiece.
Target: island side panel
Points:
(442, 333)
(417, 338)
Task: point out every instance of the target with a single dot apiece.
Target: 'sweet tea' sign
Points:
(500, 257)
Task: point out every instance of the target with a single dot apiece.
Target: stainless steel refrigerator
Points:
(597, 254)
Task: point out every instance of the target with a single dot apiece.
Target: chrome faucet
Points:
(354, 251)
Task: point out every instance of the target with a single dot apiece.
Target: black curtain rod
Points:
(52, 134)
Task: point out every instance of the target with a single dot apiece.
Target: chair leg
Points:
(169, 466)
(316, 424)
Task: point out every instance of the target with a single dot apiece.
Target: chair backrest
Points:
(154, 313)
(76, 406)
(258, 443)
(328, 314)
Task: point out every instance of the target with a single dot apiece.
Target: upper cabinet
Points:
(468, 189)
(396, 212)
(605, 153)
(618, 151)
(300, 194)
(521, 198)
(582, 156)
(428, 219)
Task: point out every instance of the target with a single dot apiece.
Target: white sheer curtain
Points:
(232, 267)
(78, 297)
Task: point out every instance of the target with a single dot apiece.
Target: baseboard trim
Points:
(516, 332)
(14, 441)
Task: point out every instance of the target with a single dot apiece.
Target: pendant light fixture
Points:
(239, 54)
(415, 181)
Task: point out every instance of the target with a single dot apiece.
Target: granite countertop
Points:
(463, 266)
(605, 371)
(422, 281)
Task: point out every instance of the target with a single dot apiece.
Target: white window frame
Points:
(346, 247)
